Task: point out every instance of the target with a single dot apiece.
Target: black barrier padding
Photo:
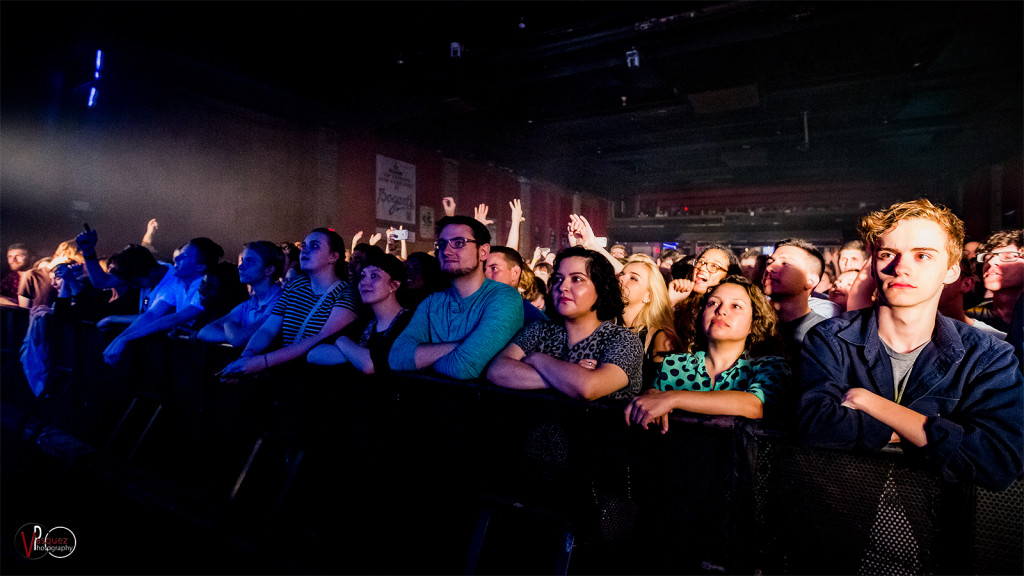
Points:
(998, 543)
(308, 469)
(831, 512)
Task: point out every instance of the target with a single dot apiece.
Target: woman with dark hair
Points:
(732, 368)
(423, 277)
(712, 265)
(380, 278)
(316, 304)
(582, 353)
(219, 292)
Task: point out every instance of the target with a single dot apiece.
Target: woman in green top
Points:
(730, 370)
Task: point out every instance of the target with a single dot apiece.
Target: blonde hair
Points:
(527, 284)
(69, 250)
(656, 314)
(877, 223)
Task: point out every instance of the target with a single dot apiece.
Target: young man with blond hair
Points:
(899, 371)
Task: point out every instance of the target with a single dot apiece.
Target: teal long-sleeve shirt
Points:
(482, 324)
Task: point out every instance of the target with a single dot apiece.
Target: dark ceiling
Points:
(725, 94)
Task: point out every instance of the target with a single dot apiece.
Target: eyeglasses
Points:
(1003, 256)
(457, 243)
(711, 266)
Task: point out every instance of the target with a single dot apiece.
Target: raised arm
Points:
(862, 292)
(480, 214)
(147, 238)
(517, 218)
(448, 203)
(584, 234)
(99, 277)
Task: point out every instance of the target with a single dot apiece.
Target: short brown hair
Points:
(872, 226)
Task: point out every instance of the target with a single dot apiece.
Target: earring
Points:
(647, 300)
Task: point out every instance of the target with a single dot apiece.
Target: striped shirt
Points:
(298, 300)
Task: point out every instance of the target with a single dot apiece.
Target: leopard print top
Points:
(607, 344)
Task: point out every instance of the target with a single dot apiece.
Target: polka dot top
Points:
(763, 377)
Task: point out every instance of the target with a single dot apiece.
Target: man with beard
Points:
(459, 330)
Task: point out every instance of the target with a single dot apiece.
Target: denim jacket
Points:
(965, 381)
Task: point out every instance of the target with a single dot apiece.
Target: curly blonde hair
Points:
(877, 223)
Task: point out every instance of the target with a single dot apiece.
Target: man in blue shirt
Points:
(458, 331)
(953, 396)
(506, 265)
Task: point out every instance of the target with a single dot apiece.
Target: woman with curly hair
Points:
(712, 265)
(648, 312)
(582, 353)
(732, 370)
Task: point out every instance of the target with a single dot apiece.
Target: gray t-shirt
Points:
(901, 363)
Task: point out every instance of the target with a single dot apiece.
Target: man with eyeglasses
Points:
(458, 331)
(1003, 274)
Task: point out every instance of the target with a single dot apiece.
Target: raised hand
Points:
(480, 213)
(449, 205)
(356, 239)
(374, 238)
(87, 242)
(580, 228)
(862, 293)
(679, 289)
(517, 211)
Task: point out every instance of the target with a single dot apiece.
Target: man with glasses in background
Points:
(458, 331)
(1003, 274)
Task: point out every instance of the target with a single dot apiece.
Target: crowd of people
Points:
(906, 335)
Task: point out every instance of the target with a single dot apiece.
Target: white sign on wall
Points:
(426, 222)
(396, 190)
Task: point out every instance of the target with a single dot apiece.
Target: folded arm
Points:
(509, 371)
